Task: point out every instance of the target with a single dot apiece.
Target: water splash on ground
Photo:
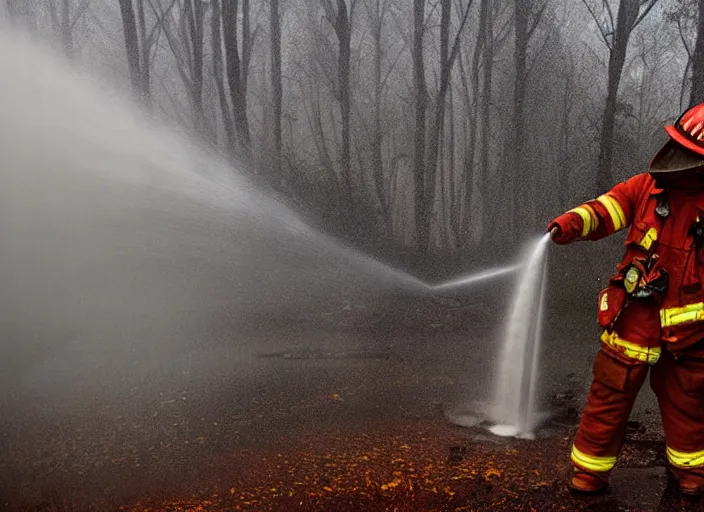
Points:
(514, 408)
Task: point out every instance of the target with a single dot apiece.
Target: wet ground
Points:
(346, 410)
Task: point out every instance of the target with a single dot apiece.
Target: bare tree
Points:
(183, 28)
(276, 83)
(341, 20)
(422, 214)
(129, 25)
(376, 10)
(526, 19)
(615, 35)
(64, 21)
(139, 46)
(448, 55)
(237, 67)
(681, 13)
(219, 76)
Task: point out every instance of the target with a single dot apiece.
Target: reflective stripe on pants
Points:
(685, 459)
(592, 463)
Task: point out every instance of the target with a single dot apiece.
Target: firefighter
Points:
(651, 312)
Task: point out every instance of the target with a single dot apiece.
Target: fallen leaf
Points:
(492, 472)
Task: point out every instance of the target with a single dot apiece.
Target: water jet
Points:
(465, 281)
(512, 410)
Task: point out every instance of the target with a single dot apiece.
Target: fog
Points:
(217, 217)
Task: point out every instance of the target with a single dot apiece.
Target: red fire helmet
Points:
(685, 149)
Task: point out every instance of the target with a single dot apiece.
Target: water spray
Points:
(476, 278)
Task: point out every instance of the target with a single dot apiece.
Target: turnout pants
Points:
(627, 354)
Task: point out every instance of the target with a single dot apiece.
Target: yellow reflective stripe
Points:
(615, 211)
(592, 463)
(684, 459)
(682, 315)
(648, 239)
(589, 220)
(645, 354)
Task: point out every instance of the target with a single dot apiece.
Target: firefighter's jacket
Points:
(661, 266)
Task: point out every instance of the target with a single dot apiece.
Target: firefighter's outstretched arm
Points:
(598, 218)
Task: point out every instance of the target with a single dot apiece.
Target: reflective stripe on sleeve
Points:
(632, 350)
(615, 211)
(591, 462)
(589, 220)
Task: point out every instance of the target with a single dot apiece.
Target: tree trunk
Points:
(470, 122)
(246, 53)
(344, 36)
(276, 85)
(145, 64)
(697, 94)
(453, 210)
(422, 216)
(234, 77)
(447, 60)
(440, 206)
(66, 29)
(129, 28)
(522, 190)
(377, 161)
(487, 86)
(216, 39)
(439, 113)
(627, 16)
(137, 48)
(194, 18)
(484, 139)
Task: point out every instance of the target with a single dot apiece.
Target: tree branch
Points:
(604, 34)
(610, 12)
(82, 8)
(683, 39)
(649, 4)
(458, 37)
(536, 20)
(172, 44)
(393, 64)
(159, 20)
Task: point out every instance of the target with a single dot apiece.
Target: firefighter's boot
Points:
(690, 488)
(586, 482)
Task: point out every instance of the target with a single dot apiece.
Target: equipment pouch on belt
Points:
(642, 279)
(611, 301)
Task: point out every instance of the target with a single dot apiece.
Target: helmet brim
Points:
(675, 157)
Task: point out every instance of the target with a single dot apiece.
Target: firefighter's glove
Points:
(569, 227)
